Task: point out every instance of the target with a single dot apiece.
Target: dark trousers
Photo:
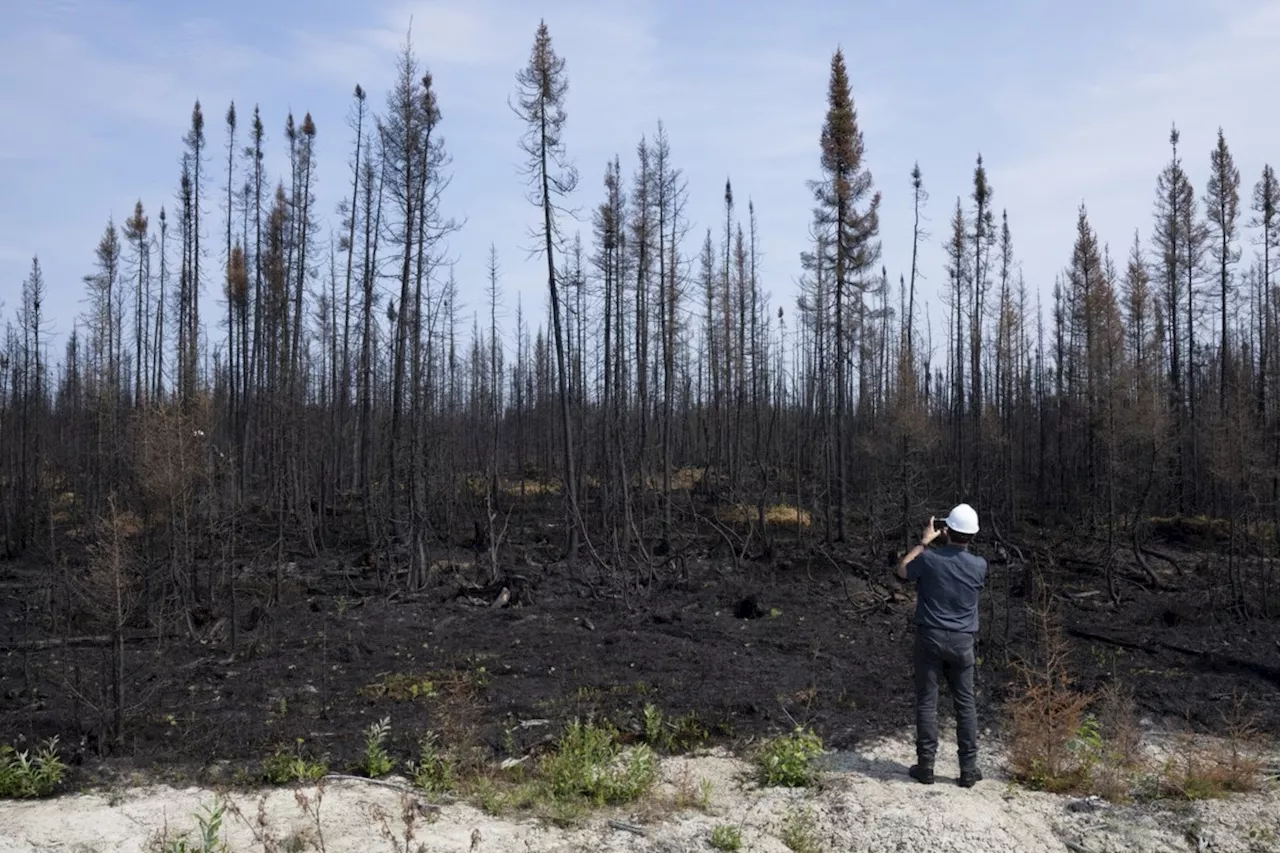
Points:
(949, 654)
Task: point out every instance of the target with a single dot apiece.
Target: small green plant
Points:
(1088, 747)
(1263, 834)
(726, 836)
(687, 733)
(25, 775)
(208, 840)
(788, 760)
(800, 832)
(680, 735)
(508, 741)
(496, 797)
(377, 762)
(652, 724)
(492, 801)
(691, 795)
(284, 767)
(705, 789)
(400, 687)
(590, 764)
(433, 772)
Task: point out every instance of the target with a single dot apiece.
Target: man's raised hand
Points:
(930, 533)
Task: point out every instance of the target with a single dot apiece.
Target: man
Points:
(950, 581)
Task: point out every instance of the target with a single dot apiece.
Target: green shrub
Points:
(652, 724)
(377, 761)
(434, 771)
(24, 775)
(726, 837)
(788, 760)
(590, 764)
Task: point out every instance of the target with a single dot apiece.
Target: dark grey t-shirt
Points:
(950, 584)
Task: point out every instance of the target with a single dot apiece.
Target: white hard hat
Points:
(963, 519)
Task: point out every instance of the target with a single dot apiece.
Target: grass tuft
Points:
(800, 831)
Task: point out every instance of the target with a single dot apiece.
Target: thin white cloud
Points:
(471, 37)
(727, 111)
(752, 114)
(105, 95)
(1105, 141)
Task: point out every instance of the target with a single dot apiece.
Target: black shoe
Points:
(969, 778)
(921, 773)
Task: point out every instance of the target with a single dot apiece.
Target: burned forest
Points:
(285, 476)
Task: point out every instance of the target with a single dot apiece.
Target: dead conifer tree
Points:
(542, 86)
(845, 184)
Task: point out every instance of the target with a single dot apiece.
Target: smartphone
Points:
(939, 524)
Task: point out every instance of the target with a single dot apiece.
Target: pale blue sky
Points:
(1066, 102)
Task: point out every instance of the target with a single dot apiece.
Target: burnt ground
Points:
(811, 635)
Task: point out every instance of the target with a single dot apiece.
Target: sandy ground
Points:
(864, 803)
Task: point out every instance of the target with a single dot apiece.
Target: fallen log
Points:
(383, 783)
(1212, 659)
(86, 642)
(1140, 550)
(1141, 557)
